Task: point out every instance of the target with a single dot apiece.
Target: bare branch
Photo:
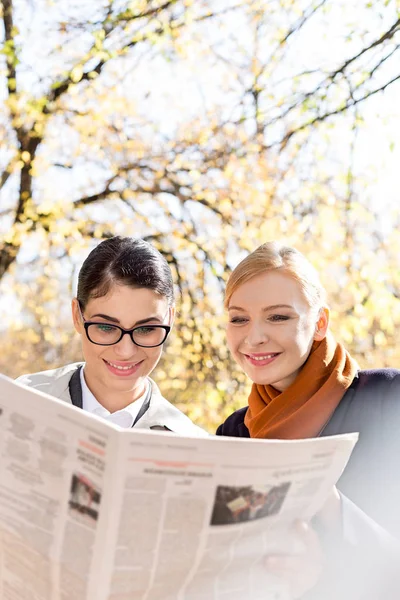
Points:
(386, 36)
(329, 79)
(224, 11)
(129, 16)
(382, 61)
(109, 26)
(103, 195)
(350, 103)
(9, 32)
(303, 19)
(6, 174)
(7, 212)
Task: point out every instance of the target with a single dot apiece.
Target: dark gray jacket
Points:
(367, 559)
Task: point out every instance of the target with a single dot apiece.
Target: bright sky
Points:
(170, 93)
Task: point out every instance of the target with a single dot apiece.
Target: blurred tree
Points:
(99, 138)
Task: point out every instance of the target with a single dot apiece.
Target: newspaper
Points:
(89, 511)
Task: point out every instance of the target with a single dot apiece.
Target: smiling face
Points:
(116, 374)
(271, 328)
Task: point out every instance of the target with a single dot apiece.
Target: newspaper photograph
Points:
(90, 511)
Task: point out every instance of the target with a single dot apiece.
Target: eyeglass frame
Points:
(86, 325)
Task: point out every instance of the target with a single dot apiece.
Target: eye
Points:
(278, 318)
(238, 320)
(145, 330)
(104, 328)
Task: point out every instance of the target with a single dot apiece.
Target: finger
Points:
(298, 572)
(308, 537)
(291, 564)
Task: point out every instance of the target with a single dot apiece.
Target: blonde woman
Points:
(306, 384)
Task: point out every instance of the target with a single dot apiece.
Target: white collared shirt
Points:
(123, 418)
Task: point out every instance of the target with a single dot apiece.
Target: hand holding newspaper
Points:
(89, 511)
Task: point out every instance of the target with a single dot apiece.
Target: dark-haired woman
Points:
(124, 311)
(305, 384)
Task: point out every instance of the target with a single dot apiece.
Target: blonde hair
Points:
(274, 256)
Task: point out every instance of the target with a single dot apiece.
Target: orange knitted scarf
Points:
(304, 408)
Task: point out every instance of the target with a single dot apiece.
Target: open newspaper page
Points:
(92, 512)
(198, 516)
(56, 492)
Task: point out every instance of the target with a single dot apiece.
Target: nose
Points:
(125, 347)
(256, 335)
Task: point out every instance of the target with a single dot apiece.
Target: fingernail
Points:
(301, 525)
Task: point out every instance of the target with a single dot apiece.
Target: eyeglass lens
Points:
(101, 333)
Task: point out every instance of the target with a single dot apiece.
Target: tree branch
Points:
(9, 32)
(28, 145)
(103, 195)
(109, 26)
(61, 87)
(305, 16)
(6, 174)
(350, 103)
(386, 36)
(328, 80)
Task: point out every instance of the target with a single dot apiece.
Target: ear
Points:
(76, 316)
(171, 316)
(322, 325)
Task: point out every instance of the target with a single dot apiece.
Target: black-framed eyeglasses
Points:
(145, 336)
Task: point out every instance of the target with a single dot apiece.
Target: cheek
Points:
(303, 338)
(90, 350)
(153, 355)
(234, 340)
(231, 339)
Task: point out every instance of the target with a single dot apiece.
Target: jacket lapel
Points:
(75, 388)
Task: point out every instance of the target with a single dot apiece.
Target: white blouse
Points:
(124, 418)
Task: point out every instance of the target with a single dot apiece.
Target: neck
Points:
(113, 400)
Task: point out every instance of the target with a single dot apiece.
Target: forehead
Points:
(128, 303)
(268, 289)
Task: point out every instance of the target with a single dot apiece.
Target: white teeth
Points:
(262, 357)
(120, 368)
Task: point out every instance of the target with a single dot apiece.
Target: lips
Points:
(261, 360)
(122, 369)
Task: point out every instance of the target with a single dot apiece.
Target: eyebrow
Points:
(272, 307)
(114, 320)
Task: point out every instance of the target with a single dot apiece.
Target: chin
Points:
(259, 379)
(262, 381)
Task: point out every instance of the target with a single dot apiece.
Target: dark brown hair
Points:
(124, 261)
